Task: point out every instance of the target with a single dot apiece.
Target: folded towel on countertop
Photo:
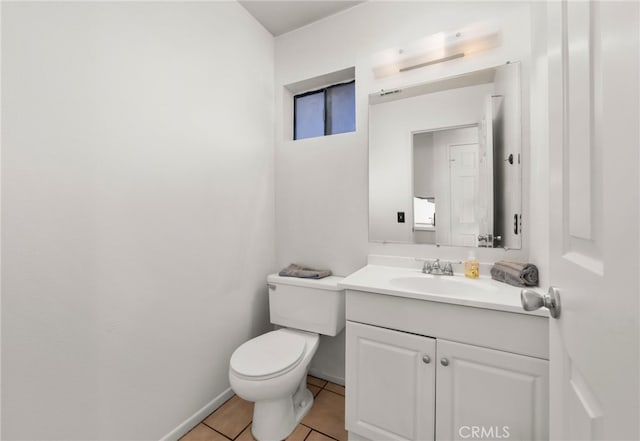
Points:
(515, 273)
(294, 270)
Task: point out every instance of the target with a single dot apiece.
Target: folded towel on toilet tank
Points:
(295, 270)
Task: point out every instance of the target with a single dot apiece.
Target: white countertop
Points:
(489, 295)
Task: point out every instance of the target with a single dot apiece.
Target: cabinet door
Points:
(390, 384)
(488, 394)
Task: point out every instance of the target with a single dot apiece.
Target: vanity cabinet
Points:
(478, 388)
(407, 380)
(391, 380)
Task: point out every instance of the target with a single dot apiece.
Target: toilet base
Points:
(274, 420)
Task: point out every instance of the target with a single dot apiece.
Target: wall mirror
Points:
(445, 161)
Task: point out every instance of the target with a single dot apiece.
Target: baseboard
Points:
(325, 376)
(355, 437)
(200, 415)
(212, 405)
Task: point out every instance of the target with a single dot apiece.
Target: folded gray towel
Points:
(294, 270)
(515, 273)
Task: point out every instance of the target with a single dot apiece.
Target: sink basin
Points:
(442, 285)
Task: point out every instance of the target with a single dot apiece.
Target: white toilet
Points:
(271, 369)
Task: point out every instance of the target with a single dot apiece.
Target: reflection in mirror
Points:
(424, 213)
(446, 167)
(448, 153)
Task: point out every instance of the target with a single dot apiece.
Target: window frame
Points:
(422, 226)
(324, 116)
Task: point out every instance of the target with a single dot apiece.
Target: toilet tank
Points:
(314, 305)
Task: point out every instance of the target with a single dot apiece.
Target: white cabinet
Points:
(402, 386)
(390, 377)
(488, 394)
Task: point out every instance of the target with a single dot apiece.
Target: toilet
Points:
(271, 369)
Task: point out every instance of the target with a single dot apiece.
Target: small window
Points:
(326, 111)
(424, 212)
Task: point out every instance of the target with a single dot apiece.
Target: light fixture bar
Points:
(439, 60)
(437, 48)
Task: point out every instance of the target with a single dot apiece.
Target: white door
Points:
(593, 76)
(487, 394)
(391, 378)
(464, 170)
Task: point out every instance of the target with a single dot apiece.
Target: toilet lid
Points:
(268, 354)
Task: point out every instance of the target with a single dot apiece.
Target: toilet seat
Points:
(268, 355)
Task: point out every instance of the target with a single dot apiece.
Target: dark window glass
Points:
(341, 108)
(309, 118)
(327, 111)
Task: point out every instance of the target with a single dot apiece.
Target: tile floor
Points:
(232, 420)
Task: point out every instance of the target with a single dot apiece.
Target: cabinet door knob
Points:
(444, 362)
(426, 359)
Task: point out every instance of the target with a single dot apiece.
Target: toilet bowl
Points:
(271, 369)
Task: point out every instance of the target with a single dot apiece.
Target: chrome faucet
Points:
(435, 268)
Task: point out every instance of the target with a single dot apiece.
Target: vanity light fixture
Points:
(437, 48)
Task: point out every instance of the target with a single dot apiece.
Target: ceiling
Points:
(279, 17)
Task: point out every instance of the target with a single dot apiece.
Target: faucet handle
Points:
(427, 264)
(448, 266)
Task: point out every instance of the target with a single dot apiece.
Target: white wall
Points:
(424, 167)
(137, 211)
(539, 154)
(321, 183)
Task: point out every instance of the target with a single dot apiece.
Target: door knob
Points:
(444, 362)
(426, 359)
(531, 301)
